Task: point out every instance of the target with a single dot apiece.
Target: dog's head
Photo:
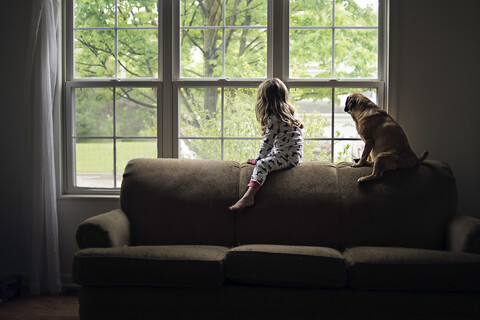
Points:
(358, 102)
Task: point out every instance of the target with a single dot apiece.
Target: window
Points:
(178, 78)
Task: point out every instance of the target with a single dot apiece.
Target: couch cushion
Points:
(290, 266)
(406, 208)
(388, 268)
(172, 201)
(297, 206)
(166, 266)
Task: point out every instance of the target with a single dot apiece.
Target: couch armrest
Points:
(464, 234)
(111, 229)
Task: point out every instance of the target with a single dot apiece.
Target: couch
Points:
(316, 245)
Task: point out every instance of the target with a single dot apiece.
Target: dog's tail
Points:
(423, 157)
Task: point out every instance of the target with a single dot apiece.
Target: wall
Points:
(437, 83)
(436, 75)
(15, 239)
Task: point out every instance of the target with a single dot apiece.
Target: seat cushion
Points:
(165, 266)
(389, 268)
(289, 266)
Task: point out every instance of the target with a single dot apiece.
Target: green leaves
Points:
(327, 39)
(218, 45)
(116, 42)
(332, 44)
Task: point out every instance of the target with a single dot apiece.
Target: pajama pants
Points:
(272, 163)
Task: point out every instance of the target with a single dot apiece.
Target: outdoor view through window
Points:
(221, 50)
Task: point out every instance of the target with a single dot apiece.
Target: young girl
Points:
(283, 143)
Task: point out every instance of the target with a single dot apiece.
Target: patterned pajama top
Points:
(282, 148)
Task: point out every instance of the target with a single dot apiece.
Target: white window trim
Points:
(169, 82)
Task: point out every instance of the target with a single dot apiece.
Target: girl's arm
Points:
(270, 133)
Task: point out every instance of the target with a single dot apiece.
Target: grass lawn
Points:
(97, 155)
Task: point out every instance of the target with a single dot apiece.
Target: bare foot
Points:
(242, 203)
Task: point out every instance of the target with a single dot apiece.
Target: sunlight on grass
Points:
(97, 156)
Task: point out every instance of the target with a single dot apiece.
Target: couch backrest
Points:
(170, 201)
(298, 206)
(406, 208)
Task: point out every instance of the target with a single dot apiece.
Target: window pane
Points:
(241, 150)
(200, 149)
(138, 53)
(356, 13)
(99, 13)
(356, 53)
(200, 112)
(94, 53)
(130, 149)
(246, 13)
(94, 163)
(239, 114)
(310, 13)
(93, 112)
(246, 54)
(311, 53)
(201, 53)
(314, 107)
(200, 13)
(209, 49)
(317, 150)
(136, 112)
(344, 125)
(143, 13)
(347, 151)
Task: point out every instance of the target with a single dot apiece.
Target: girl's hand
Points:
(252, 161)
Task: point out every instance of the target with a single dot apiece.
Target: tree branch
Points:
(188, 106)
(138, 102)
(126, 69)
(96, 48)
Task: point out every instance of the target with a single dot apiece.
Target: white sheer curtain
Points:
(42, 89)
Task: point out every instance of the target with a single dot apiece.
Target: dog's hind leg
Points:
(383, 162)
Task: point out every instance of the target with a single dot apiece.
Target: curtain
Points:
(42, 92)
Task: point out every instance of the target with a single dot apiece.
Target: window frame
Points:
(169, 81)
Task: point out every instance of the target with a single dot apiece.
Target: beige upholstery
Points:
(407, 269)
(316, 244)
(287, 266)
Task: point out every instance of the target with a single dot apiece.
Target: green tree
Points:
(207, 50)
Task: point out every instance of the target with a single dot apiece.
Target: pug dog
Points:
(386, 145)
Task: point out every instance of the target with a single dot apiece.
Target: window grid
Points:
(334, 27)
(224, 27)
(115, 29)
(114, 138)
(168, 112)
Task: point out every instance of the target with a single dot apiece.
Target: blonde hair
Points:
(272, 100)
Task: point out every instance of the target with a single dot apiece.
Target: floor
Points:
(44, 307)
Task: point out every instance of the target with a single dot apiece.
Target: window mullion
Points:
(278, 33)
(223, 47)
(333, 127)
(222, 146)
(333, 45)
(116, 38)
(114, 99)
(171, 58)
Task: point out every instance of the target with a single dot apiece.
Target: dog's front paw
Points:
(356, 165)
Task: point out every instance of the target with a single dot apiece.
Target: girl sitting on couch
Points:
(282, 146)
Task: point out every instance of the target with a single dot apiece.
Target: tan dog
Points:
(385, 142)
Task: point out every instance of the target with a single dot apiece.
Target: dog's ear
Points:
(350, 103)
